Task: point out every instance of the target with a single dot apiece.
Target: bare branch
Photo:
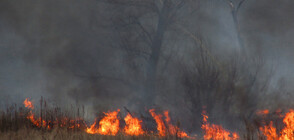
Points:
(148, 35)
(125, 45)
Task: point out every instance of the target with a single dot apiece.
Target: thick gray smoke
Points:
(71, 52)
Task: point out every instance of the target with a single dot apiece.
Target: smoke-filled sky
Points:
(56, 48)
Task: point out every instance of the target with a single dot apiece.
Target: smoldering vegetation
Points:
(178, 55)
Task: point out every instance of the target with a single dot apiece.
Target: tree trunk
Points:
(150, 85)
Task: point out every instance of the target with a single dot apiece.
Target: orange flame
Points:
(133, 126)
(287, 133)
(92, 129)
(109, 125)
(174, 130)
(162, 129)
(160, 124)
(269, 131)
(28, 104)
(38, 122)
(216, 132)
(262, 112)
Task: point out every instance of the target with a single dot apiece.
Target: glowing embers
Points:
(216, 132)
(163, 129)
(287, 133)
(133, 126)
(109, 125)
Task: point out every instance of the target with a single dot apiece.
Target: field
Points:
(26, 123)
(29, 123)
(62, 134)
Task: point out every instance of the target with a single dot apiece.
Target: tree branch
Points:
(144, 31)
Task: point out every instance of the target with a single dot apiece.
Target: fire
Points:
(92, 129)
(216, 132)
(133, 126)
(28, 104)
(160, 124)
(33, 120)
(109, 125)
(287, 133)
(39, 122)
(262, 112)
(162, 128)
(174, 130)
(269, 131)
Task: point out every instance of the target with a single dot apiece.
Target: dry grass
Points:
(63, 134)
(14, 125)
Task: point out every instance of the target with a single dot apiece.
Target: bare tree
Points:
(142, 38)
(230, 89)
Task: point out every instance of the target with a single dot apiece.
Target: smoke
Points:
(70, 52)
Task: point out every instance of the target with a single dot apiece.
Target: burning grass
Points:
(109, 124)
(28, 123)
(285, 133)
(64, 134)
(23, 123)
(216, 132)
